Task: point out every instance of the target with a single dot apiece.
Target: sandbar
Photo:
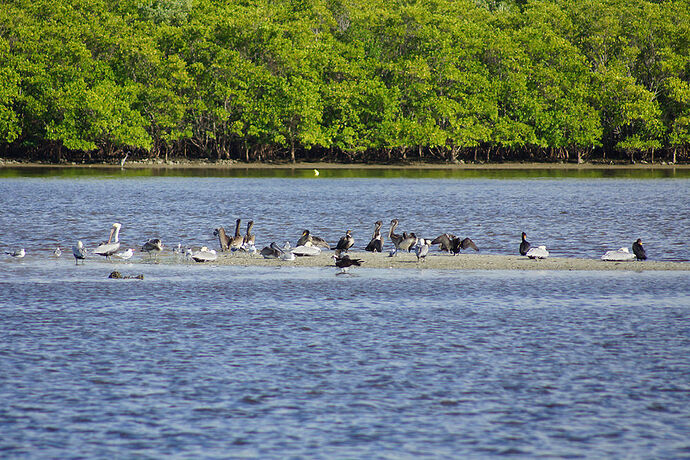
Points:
(441, 261)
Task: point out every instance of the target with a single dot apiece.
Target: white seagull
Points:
(125, 255)
(422, 249)
(110, 247)
(79, 252)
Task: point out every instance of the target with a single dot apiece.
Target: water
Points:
(221, 362)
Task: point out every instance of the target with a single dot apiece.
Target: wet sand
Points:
(442, 262)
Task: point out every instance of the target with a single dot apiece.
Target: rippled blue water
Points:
(217, 362)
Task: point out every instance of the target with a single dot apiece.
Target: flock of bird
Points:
(311, 245)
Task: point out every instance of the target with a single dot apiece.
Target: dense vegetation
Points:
(345, 80)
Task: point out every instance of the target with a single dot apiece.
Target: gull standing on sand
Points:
(422, 249)
(111, 246)
(79, 252)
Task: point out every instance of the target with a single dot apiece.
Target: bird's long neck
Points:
(116, 235)
(249, 227)
(393, 225)
(237, 227)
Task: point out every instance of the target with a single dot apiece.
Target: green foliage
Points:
(390, 80)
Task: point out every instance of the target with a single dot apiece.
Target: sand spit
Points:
(443, 262)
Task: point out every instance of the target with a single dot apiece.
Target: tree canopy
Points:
(345, 80)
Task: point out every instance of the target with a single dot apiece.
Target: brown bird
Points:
(223, 238)
(453, 244)
(237, 240)
(345, 243)
(376, 243)
(346, 262)
(307, 239)
(249, 238)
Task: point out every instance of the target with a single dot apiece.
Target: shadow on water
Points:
(347, 173)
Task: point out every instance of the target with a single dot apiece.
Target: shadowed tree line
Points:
(345, 80)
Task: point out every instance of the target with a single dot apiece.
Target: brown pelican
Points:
(307, 239)
(451, 243)
(272, 251)
(17, 254)
(204, 255)
(223, 238)
(346, 262)
(408, 240)
(621, 255)
(110, 247)
(422, 249)
(153, 246)
(249, 237)
(376, 243)
(538, 253)
(524, 246)
(237, 240)
(345, 243)
(395, 238)
(79, 252)
(638, 250)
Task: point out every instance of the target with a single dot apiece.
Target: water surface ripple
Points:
(260, 362)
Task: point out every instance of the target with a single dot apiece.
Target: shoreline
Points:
(231, 164)
(433, 262)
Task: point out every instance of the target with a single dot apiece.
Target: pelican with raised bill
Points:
(111, 246)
